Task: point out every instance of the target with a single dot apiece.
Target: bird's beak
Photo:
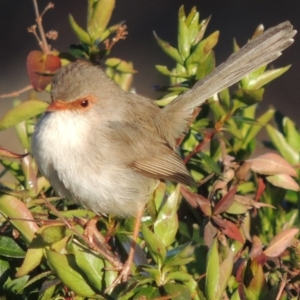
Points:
(57, 105)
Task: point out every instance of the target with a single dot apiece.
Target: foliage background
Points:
(145, 46)
(234, 18)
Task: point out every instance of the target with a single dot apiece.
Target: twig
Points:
(112, 260)
(44, 45)
(281, 287)
(17, 93)
(49, 6)
(32, 29)
(121, 34)
(207, 137)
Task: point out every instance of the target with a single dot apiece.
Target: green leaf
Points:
(68, 272)
(217, 110)
(284, 181)
(168, 49)
(101, 15)
(147, 292)
(17, 284)
(120, 65)
(282, 146)
(177, 291)
(90, 9)
(224, 96)
(234, 131)
(81, 34)
(154, 244)
(212, 272)
(9, 248)
(225, 272)
(19, 215)
(209, 164)
(192, 21)
(249, 97)
(33, 257)
(255, 129)
(4, 271)
(178, 256)
(89, 263)
(78, 213)
(266, 77)
(206, 66)
(179, 276)
(166, 225)
(22, 112)
(14, 168)
(292, 134)
(237, 208)
(184, 42)
(23, 134)
(202, 49)
(257, 288)
(52, 233)
(165, 71)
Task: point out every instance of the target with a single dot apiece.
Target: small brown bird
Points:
(106, 148)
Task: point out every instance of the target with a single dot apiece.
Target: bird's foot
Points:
(122, 277)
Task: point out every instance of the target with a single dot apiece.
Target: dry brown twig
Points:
(42, 41)
(121, 33)
(17, 93)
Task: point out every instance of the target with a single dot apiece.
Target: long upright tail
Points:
(260, 51)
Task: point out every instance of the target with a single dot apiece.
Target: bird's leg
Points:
(96, 241)
(123, 276)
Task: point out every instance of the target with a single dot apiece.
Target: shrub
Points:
(231, 238)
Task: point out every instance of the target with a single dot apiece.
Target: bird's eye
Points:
(84, 103)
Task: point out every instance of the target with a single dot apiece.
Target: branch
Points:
(44, 45)
(16, 93)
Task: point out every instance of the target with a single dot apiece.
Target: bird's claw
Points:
(122, 277)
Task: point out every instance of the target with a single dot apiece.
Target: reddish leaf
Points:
(41, 67)
(238, 269)
(271, 164)
(260, 188)
(261, 258)
(250, 203)
(229, 228)
(8, 154)
(280, 242)
(225, 202)
(196, 200)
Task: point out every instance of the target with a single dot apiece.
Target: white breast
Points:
(60, 146)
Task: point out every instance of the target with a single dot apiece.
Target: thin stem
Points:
(44, 45)
(17, 93)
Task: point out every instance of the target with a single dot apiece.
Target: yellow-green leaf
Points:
(168, 49)
(68, 272)
(22, 112)
(100, 17)
(81, 34)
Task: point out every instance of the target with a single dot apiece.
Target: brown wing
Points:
(148, 154)
(167, 166)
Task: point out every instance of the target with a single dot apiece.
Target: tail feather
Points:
(260, 51)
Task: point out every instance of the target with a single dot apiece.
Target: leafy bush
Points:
(231, 238)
